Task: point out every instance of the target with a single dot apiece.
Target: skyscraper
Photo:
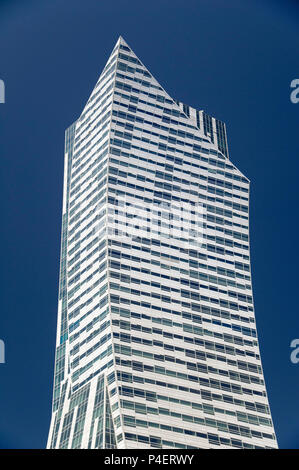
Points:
(156, 337)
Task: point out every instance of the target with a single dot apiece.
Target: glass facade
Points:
(156, 335)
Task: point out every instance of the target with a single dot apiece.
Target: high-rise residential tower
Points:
(156, 337)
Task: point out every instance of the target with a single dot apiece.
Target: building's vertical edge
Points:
(117, 399)
(61, 331)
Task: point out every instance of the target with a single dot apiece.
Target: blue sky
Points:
(235, 60)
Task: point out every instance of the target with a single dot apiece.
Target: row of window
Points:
(214, 439)
(186, 293)
(99, 318)
(172, 267)
(90, 125)
(90, 156)
(171, 168)
(208, 247)
(178, 160)
(92, 166)
(221, 425)
(199, 319)
(198, 392)
(102, 83)
(170, 187)
(201, 367)
(125, 313)
(207, 408)
(164, 222)
(196, 330)
(188, 253)
(182, 280)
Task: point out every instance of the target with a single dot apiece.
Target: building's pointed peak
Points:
(123, 60)
(123, 42)
(121, 39)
